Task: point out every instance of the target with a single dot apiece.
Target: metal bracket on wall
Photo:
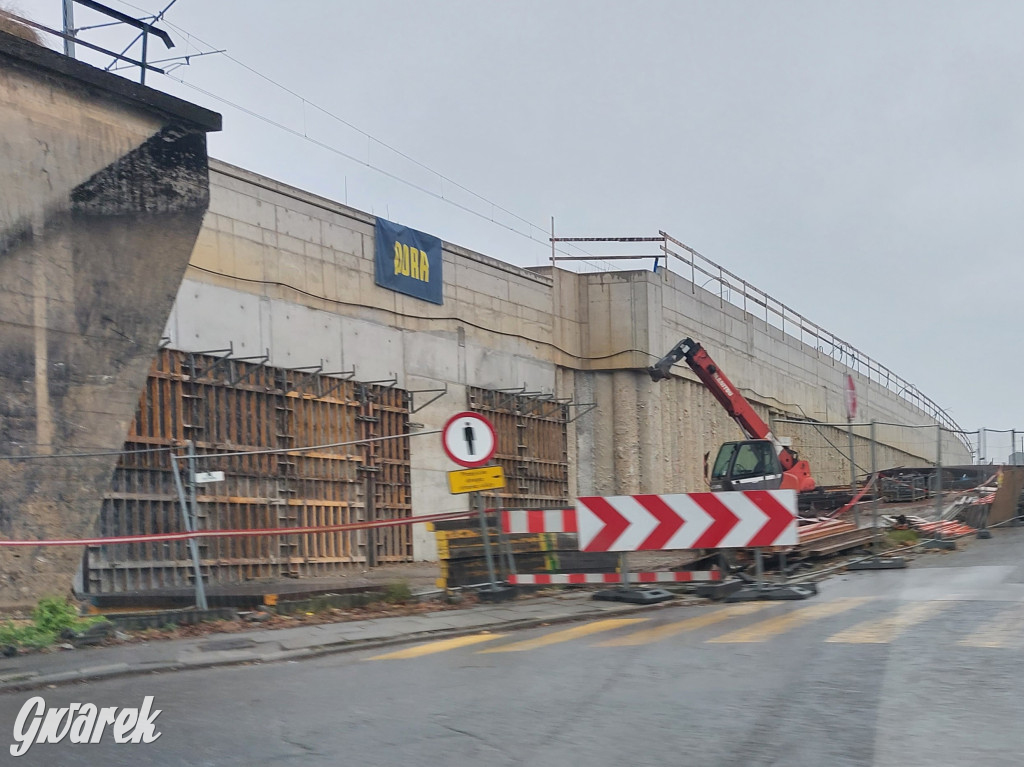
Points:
(588, 405)
(314, 378)
(260, 360)
(344, 375)
(557, 404)
(314, 370)
(387, 382)
(437, 392)
(209, 353)
(534, 401)
(511, 394)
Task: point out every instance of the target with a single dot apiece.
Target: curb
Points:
(32, 680)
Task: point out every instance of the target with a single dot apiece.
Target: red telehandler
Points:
(759, 462)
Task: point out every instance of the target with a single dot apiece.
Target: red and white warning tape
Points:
(546, 579)
(255, 533)
(539, 521)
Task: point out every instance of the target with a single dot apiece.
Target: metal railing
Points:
(711, 277)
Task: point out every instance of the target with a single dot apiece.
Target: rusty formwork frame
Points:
(532, 446)
(225, 404)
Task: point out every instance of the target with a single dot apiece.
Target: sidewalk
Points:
(32, 671)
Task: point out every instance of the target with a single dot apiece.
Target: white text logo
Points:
(82, 723)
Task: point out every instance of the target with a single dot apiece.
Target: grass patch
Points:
(51, 616)
(397, 593)
(903, 537)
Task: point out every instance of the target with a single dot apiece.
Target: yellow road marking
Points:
(1006, 630)
(564, 636)
(887, 629)
(772, 627)
(442, 645)
(658, 633)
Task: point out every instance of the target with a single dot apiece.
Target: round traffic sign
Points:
(469, 439)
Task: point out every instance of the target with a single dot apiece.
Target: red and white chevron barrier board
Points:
(740, 519)
(539, 521)
(559, 579)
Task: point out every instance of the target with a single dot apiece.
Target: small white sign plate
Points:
(209, 476)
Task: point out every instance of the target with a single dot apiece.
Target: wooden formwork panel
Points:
(532, 447)
(229, 406)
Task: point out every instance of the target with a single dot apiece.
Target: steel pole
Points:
(69, 27)
(505, 556)
(190, 528)
(853, 473)
(371, 515)
(874, 495)
(485, 532)
(624, 569)
(938, 483)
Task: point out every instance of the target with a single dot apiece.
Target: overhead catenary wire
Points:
(444, 178)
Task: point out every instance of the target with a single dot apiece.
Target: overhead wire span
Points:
(370, 137)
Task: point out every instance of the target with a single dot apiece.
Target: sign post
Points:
(469, 440)
(851, 412)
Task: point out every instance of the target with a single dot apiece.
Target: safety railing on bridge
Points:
(708, 277)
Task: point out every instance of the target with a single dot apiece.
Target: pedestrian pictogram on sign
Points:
(469, 439)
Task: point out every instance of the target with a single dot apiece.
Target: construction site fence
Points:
(845, 453)
(295, 511)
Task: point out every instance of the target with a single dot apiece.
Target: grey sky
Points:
(860, 161)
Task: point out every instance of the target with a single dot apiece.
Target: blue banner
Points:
(408, 261)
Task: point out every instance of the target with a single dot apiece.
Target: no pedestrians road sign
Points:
(469, 439)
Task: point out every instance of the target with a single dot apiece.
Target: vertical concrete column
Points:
(602, 437)
(626, 433)
(651, 468)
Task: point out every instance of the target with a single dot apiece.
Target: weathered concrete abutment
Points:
(103, 188)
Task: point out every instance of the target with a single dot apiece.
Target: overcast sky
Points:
(860, 161)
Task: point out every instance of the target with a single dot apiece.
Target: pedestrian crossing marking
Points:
(576, 632)
(772, 627)
(1006, 630)
(889, 628)
(442, 645)
(658, 633)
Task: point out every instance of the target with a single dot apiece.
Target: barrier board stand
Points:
(734, 519)
(760, 590)
(630, 594)
(494, 591)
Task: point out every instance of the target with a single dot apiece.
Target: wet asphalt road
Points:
(894, 669)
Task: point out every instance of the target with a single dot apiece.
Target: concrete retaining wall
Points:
(285, 272)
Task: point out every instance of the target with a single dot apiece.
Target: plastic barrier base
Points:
(496, 593)
(634, 596)
(772, 592)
